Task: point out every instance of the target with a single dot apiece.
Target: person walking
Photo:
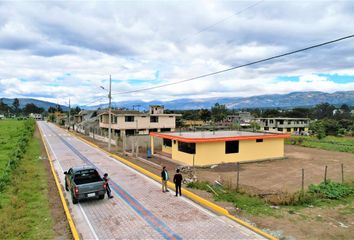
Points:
(177, 179)
(106, 185)
(164, 178)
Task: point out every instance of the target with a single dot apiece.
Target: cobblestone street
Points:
(139, 210)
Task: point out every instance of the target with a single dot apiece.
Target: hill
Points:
(290, 100)
(38, 103)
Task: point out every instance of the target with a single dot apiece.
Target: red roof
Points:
(217, 139)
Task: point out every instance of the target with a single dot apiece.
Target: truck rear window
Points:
(86, 176)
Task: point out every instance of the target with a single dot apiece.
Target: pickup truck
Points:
(84, 182)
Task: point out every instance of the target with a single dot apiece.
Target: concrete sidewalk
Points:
(139, 210)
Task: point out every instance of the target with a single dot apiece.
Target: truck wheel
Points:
(66, 187)
(101, 197)
(74, 200)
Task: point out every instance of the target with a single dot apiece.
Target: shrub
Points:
(332, 190)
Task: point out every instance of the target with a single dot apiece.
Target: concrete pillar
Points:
(137, 150)
(152, 145)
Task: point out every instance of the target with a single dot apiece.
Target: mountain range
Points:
(290, 100)
(38, 103)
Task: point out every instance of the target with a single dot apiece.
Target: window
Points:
(154, 119)
(114, 119)
(280, 129)
(288, 129)
(167, 142)
(129, 118)
(266, 128)
(259, 140)
(231, 147)
(186, 147)
(174, 141)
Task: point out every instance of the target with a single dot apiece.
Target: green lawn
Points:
(24, 206)
(10, 133)
(331, 143)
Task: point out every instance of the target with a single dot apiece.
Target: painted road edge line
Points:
(186, 193)
(62, 198)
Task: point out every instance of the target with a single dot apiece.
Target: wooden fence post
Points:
(302, 180)
(342, 166)
(325, 175)
(238, 176)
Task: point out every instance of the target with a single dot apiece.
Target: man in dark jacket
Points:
(177, 179)
(164, 177)
(106, 185)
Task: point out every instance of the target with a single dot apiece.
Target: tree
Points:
(32, 108)
(318, 128)
(323, 110)
(299, 113)
(16, 105)
(52, 110)
(270, 113)
(59, 109)
(254, 125)
(4, 108)
(205, 114)
(75, 110)
(345, 108)
(218, 112)
(51, 117)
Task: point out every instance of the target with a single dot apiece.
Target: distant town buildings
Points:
(207, 148)
(130, 122)
(241, 118)
(284, 125)
(86, 121)
(36, 116)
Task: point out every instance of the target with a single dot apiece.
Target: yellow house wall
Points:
(214, 152)
(166, 149)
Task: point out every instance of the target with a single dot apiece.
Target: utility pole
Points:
(110, 114)
(69, 114)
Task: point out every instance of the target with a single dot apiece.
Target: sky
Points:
(54, 51)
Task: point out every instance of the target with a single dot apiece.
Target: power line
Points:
(239, 66)
(222, 20)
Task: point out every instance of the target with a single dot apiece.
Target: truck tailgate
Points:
(91, 187)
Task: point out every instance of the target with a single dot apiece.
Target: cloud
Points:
(142, 45)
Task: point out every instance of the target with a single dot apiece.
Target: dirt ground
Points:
(285, 175)
(274, 177)
(61, 226)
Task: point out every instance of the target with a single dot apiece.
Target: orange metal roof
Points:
(217, 139)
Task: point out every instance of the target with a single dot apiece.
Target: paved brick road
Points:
(139, 210)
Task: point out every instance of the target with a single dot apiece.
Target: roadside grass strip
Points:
(14, 139)
(24, 204)
(151, 219)
(73, 229)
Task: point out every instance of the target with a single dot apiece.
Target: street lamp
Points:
(109, 112)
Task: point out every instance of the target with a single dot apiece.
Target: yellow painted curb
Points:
(186, 193)
(63, 201)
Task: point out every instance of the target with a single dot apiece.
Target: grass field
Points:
(331, 143)
(24, 207)
(10, 133)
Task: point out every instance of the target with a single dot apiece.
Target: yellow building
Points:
(207, 148)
